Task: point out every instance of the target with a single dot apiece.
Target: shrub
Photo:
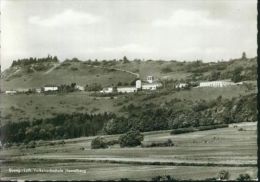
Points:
(241, 129)
(167, 143)
(98, 142)
(112, 142)
(31, 144)
(166, 70)
(182, 130)
(244, 177)
(223, 175)
(131, 139)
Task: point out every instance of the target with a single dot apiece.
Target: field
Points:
(197, 155)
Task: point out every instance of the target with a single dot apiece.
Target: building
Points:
(216, 84)
(181, 85)
(81, 88)
(151, 86)
(38, 90)
(138, 84)
(126, 89)
(10, 92)
(150, 79)
(50, 88)
(23, 90)
(107, 90)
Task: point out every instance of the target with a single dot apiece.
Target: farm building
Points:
(50, 88)
(107, 90)
(216, 84)
(126, 89)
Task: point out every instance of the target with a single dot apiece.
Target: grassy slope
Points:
(19, 107)
(77, 72)
(224, 146)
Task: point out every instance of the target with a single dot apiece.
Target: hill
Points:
(107, 73)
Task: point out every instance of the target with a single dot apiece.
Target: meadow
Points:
(34, 106)
(197, 155)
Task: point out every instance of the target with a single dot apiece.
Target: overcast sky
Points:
(107, 29)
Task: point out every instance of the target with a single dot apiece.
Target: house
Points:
(50, 88)
(80, 88)
(38, 90)
(222, 83)
(151, 86)
(126, 89)
(10, 92)
(107, 90)
(138, 84)
(181, 85)
(150, 79)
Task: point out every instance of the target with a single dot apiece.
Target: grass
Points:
(75, 72)
(26, 107)
(211, 151)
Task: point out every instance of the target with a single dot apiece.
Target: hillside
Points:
(62, 73)
(39, 106)
(106, 73)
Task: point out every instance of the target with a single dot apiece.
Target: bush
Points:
(166, 70)
(200, 128)
(244, 177)
(131, 139)
(98, 143)
(167, 143)
(182, 130)
(112, 142)
(223, 175)
(31, 144)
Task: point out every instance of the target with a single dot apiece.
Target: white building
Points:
(181, 85)
(151, 86)
(126, 89)
(22, 90)
(216, 84)
(10, 92)
(80, 88)
(50, 88)
(138, 84)
(150, 79)
(38, 90)
(107, 90)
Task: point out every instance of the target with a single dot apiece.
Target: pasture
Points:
(197, 155)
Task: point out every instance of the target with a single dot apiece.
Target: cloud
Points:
(130, 48)
(187, 18)
(66, 18)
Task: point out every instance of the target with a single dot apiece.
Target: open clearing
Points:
(225, 148)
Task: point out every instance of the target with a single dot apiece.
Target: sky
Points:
(110, 29)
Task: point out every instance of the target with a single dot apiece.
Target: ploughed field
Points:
(197, 155)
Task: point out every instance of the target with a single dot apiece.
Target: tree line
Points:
(32, 60)
(173, 114)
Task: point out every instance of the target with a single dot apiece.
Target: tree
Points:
(98, 143)
(215, 75)
(125, 60)
(131, 139)
(244, 177)
(237, 74)
(244, 55)
(223, 175)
